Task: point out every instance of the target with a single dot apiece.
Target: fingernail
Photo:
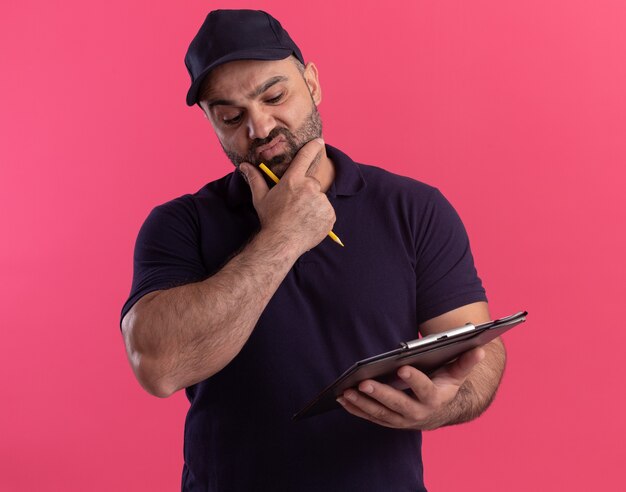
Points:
(350, 396)
(404, 373)
(368, 388)
(341, 401)
(320, 140)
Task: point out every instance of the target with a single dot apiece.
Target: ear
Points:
(312, 81)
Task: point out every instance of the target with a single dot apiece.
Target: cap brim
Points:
(264, 54)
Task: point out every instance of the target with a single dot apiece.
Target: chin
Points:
(279, 169)
(278, 165)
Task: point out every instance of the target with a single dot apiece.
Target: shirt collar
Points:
(348, 180)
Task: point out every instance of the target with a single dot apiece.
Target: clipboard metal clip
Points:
(437, 336)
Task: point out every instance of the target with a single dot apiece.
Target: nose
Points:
(260, 124)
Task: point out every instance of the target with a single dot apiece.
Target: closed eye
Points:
(233, 121)
(274, 100)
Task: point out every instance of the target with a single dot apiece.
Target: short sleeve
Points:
(445, 273)
(167, 250)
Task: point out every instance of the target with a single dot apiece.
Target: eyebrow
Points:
(254, 94)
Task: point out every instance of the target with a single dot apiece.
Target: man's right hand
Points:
(296, 209)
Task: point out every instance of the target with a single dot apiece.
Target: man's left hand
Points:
(427, 408)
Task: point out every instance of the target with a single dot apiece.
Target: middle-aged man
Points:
(240, 297)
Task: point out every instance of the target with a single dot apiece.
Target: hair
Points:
(298, 64)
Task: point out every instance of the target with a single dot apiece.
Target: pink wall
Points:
(516, 110)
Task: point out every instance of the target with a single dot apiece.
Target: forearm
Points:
(479, 389)
(183, 335)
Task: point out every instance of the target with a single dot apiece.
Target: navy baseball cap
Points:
(228, 35)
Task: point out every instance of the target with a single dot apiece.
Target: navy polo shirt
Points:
(407, 259)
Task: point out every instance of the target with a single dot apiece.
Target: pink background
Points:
(515, 110)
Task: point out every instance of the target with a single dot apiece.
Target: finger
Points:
(373, 410)
(422, 386)
(257, 183)
(357, 412)
(398, 401)
(310, 172)
(303, 159)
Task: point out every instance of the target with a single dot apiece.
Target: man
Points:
(239, 297)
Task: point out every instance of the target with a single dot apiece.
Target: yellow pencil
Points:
(274, 178)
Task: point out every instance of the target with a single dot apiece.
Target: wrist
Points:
(279, 246)
(457, 411)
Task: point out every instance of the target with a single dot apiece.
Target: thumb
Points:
(255, 180)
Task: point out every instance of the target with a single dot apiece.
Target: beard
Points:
(309, 130)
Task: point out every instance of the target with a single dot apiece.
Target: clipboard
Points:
(426, 354)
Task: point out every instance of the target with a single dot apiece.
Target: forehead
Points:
(243, 76)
